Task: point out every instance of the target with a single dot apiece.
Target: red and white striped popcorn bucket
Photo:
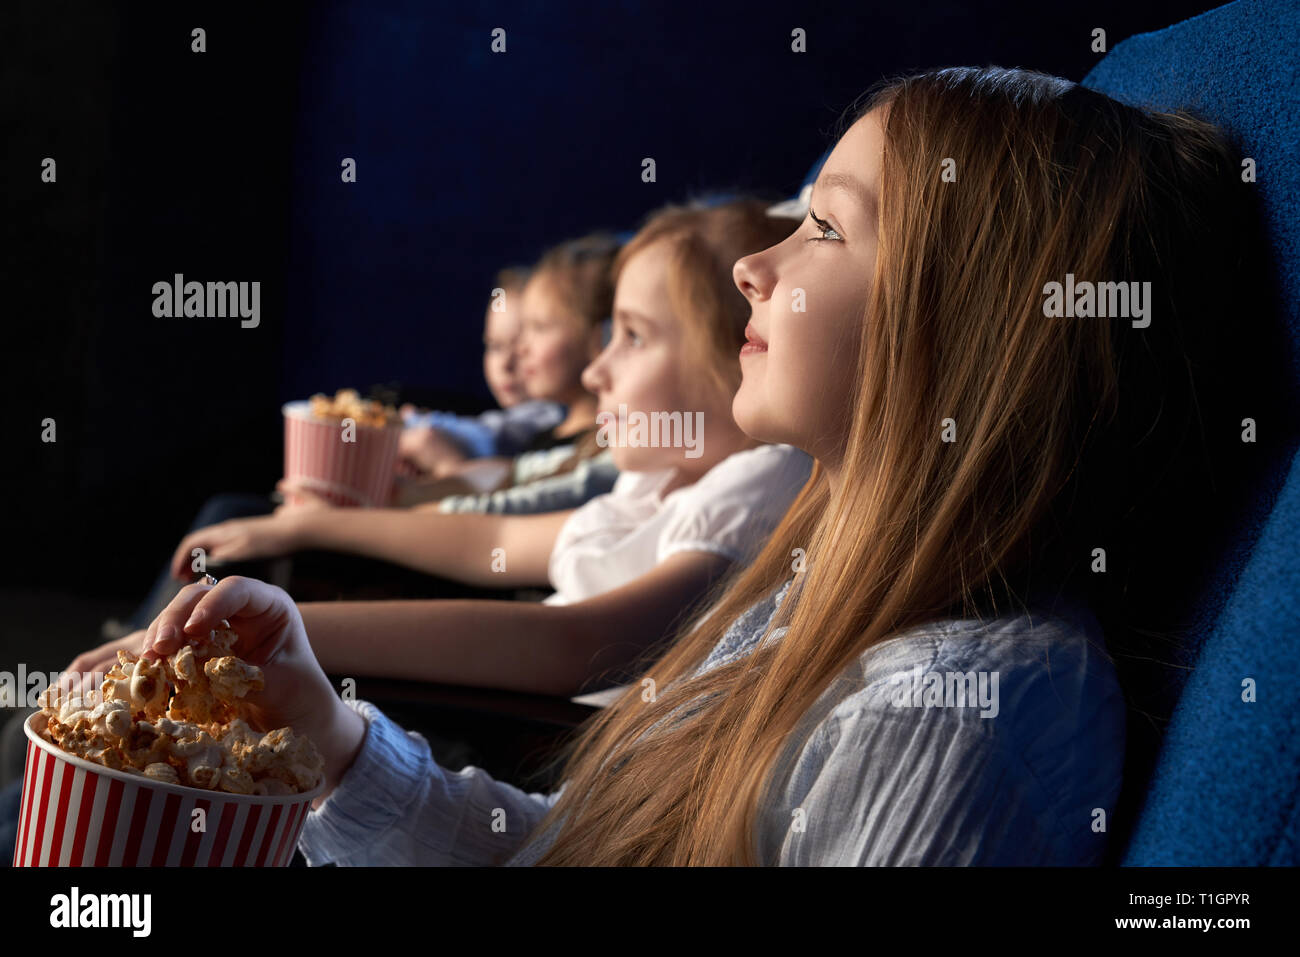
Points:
(347, 473)
(76, 813)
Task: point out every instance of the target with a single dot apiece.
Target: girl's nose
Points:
(753, 276)
(594, 377)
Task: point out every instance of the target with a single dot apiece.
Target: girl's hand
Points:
(240, 539)
(309, 498)
(297, 692)
(425, 450)
(78, 676)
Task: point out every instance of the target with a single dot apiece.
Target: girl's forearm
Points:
(515, 646)
(450, 545)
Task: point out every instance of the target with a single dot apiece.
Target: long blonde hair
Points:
(1051, 179)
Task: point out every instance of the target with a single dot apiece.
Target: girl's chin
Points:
(754, 423)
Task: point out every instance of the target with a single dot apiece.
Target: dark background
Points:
(225, 166)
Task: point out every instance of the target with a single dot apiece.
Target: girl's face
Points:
(799, 371)
(500, 341)
(554, 345)
(649, 367)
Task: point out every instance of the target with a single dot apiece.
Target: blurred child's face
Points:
(554, 345)
(500, 340)
(649, 366)
(798, 378)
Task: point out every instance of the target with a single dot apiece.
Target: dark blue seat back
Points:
(1226, 783)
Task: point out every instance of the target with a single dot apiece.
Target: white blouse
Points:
(618, 537)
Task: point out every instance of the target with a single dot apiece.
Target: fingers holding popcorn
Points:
(203, 740)
(264, 617)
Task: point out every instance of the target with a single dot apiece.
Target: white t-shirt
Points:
(618, 537)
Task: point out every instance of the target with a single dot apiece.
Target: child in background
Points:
(434, 443)
(563, 311)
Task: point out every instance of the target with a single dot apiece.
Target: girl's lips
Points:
(753, 343)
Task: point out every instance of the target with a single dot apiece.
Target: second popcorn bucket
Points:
(76, 813)
(356, 468)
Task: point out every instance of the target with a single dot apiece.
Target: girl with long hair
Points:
(914, 670)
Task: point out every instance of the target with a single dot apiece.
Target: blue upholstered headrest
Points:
(1225, 786)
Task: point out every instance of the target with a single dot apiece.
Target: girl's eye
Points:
(622, 330)
(825, 227)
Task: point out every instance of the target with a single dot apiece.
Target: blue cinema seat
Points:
(1225, 783)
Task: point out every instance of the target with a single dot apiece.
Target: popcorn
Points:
(348, 404)
(183, 720)
(231, 679)
(162, 772)
(148, 688)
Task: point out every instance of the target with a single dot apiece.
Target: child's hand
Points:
(239, 539)
(297, 692)
(309, 498)
(426, 450)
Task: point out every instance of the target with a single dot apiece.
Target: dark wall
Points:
(225, 166)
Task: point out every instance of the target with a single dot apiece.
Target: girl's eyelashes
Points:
(825, 227)
(623, 329)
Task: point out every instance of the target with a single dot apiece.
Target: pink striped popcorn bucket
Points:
(75, 813)
(347, 473)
